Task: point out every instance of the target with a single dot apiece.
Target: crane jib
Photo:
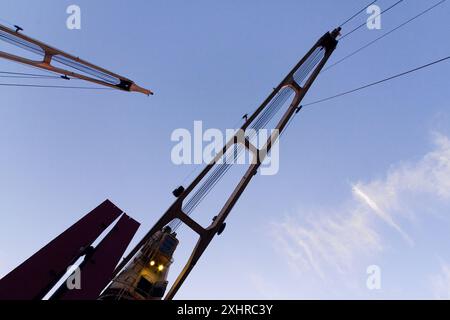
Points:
(60, 62)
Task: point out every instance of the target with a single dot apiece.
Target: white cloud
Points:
(386, 217)
(440, 283)
(333, 239)
(338, 238)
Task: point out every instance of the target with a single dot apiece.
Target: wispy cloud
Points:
(383, 215)
(334, 238)
(337, 237)
(440, 283)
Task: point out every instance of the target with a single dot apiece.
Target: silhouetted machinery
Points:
(145, 277)
(285, 99)
(142, 274)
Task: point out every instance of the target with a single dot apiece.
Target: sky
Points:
(364, 180)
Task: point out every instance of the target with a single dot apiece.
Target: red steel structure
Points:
(98, 266)
(34, 278)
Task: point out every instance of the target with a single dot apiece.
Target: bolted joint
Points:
(18, 28)
(178, 191)
(221, 229)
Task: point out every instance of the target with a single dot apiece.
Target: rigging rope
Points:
(384, 35)
(363, 24)
(47, 86)
(377, 82)
(233, 154)
(356, 14)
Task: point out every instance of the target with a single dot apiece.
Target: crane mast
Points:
(299, 81)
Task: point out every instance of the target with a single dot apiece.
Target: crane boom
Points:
(298, 80)
(65, 64)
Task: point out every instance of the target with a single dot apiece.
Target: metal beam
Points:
(36, 276)
(327, 43)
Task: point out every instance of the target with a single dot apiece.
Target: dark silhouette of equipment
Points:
(142, 274)
(99, 262)
(297, 82)
(36, 277)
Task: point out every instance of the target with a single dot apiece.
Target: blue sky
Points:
(307, 232)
